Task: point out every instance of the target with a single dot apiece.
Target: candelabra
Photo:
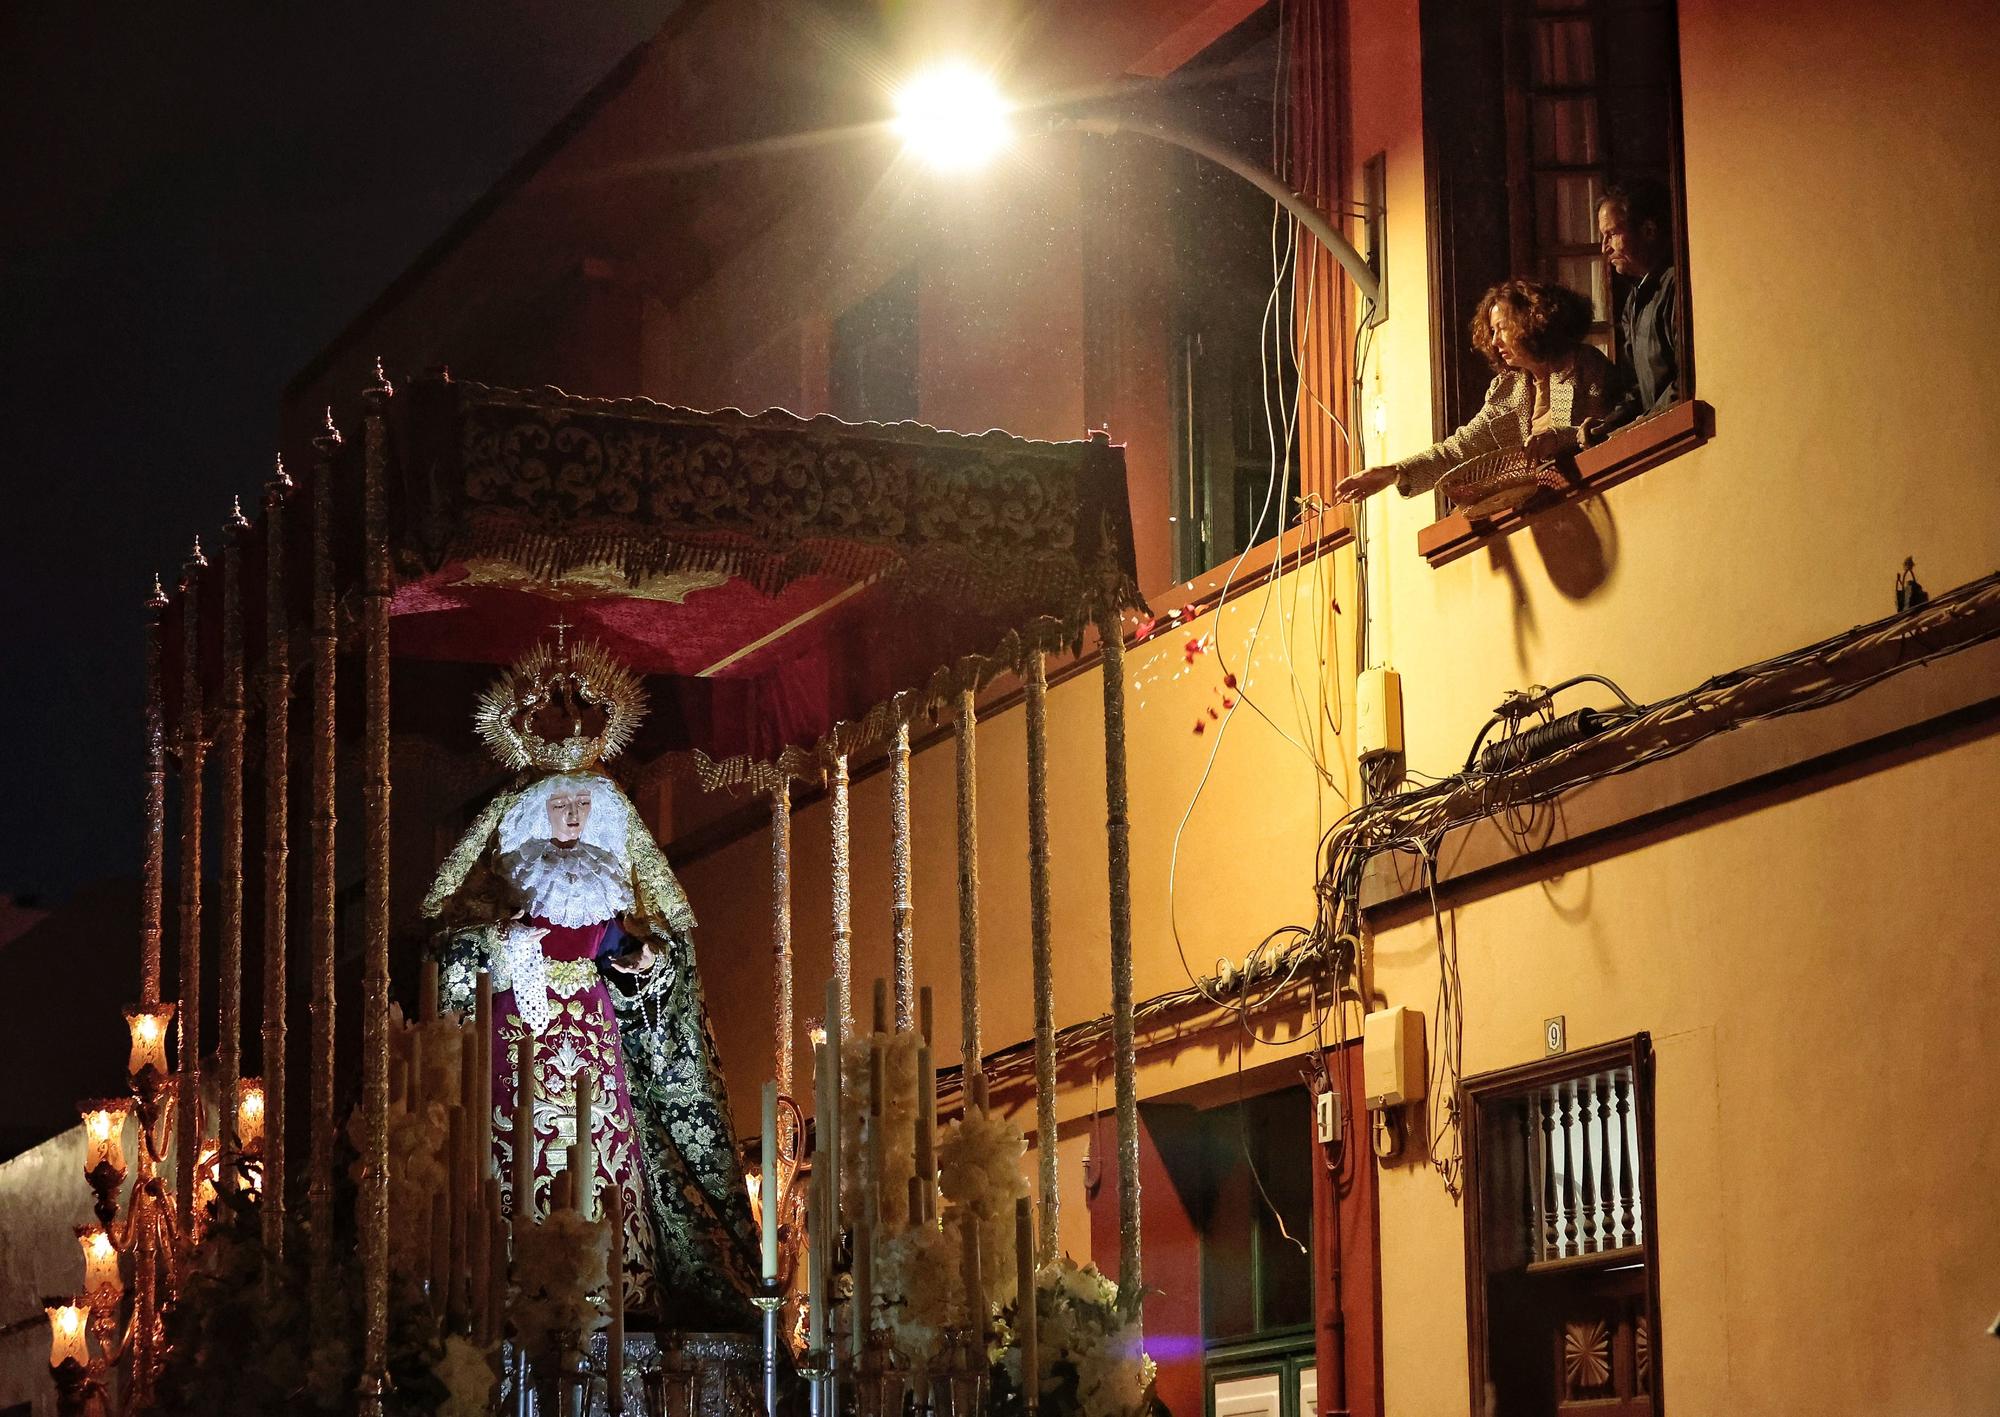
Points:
(132, 1265)
(789, 1133)
(784, 1132)
(959, 1389)
(671, 1383)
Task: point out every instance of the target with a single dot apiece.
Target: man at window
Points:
(1634, 227)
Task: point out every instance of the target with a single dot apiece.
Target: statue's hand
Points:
(639, 961)
(526, 935)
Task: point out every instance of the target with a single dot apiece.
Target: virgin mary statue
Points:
(561, 892)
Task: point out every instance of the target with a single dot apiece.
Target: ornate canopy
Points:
(787, 585)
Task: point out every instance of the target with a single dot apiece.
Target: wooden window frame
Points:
(1507, 1084)
(1493, 190)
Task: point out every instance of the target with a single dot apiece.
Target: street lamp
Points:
(953, 117)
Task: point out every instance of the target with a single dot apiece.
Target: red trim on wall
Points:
(1347, 1256)
(1173, 1263)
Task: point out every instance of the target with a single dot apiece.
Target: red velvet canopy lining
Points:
(782, 582)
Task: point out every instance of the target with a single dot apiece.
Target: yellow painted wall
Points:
(1818, 977)
(1840, 194)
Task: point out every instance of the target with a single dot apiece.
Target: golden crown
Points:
(570, 681)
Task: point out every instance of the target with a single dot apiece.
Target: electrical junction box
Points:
(1378, 714)
(1392, 1057)
(1327, 1116)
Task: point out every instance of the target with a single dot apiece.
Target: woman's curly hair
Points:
(1548, 320)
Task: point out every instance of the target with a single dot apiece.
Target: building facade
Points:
(1752, 1171)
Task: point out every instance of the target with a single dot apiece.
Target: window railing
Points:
(1585, 1190)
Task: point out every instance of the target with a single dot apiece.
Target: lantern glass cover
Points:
(104, 1132)
(250, 1115)
(69, 1329)
(100, 1260)
(148, 1023)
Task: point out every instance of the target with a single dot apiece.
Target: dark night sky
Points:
(193, 200)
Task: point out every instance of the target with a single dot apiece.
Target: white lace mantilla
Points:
(570, 885)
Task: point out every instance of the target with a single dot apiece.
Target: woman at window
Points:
(1551, 394)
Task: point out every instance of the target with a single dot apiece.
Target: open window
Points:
(1533, 111)
(1562, 1277)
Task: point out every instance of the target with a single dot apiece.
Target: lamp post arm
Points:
(1358, 270)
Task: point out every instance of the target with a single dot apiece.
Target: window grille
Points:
(1585, 1194)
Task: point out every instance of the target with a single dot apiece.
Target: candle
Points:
(614, 1296)
(427, 993)
(877, 1159)
(977, 1096)
(830, 1119)
(864, 1280)
(768, 1193)
(482, 1034)
(420, 1093)
(927, 1131)
(496, 1263)
(917, 1215)
(458, 1209)
(524, 1135)
(825, 1121)
(468, 1071)
(881, 1006)
(975, 1288)
(478, 1283)
(924, 1012)
(1024, 1300)
(583, 1155)
(816, 1265)
(399, 1081)
(440, 1247)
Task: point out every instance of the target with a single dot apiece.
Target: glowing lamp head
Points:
(104, 1133)
(148, 1023)
(69, 1331)
(952, 116)
(100, 1261)
(207, 1170)
(250, 1115)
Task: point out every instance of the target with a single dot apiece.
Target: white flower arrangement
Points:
(899, 1115)
(979, 1173)
(467, 1373)
(1092, 1361)
(559, 1281)
(923, 1290)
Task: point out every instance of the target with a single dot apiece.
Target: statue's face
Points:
(569, 809)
